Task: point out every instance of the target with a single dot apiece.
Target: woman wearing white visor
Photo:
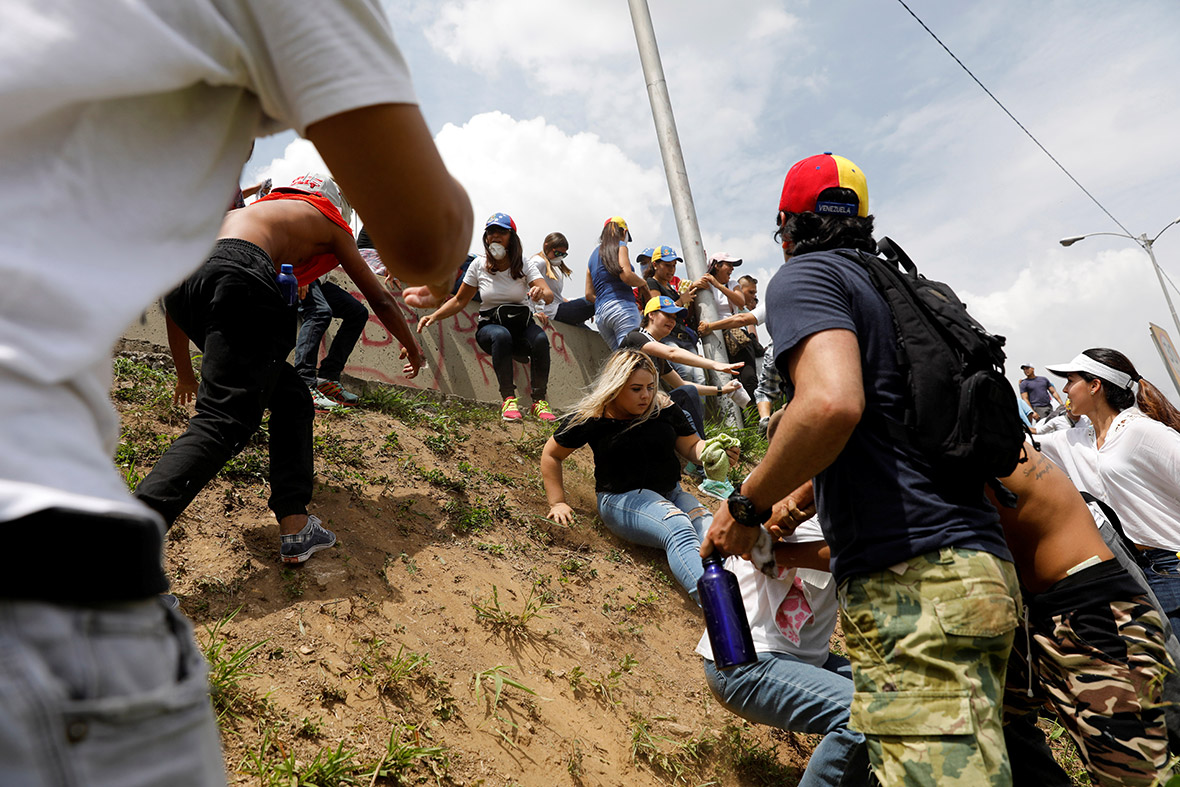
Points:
(1129, 457)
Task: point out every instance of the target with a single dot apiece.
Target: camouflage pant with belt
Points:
(1099, 662)
(929, 641)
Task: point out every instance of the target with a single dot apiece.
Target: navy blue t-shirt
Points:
(878, 501)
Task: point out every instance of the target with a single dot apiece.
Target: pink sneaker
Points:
(510, 410)
(542, 411)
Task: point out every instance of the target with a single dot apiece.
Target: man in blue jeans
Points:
(927, 587)
(324, 301)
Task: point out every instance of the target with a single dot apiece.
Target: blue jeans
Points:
(782, 691)
(323, 302)
(113, 695)
(616, 319)
(1162, 569)
(674, 522)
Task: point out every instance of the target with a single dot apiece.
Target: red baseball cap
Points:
(825, 184)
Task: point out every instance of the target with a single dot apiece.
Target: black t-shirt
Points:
(878, 501)
(686, 321)
(628, 456)
(363, 241)
(635, 341)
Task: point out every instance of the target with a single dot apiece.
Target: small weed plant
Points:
(491, 613)
(227, 668)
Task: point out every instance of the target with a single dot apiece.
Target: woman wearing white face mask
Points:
(506, 282)
(551, 263)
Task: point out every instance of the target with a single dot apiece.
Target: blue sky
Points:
(540, 108)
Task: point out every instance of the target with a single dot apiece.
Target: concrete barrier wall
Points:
(455, 364)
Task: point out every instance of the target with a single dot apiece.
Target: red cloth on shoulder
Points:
(314, 267)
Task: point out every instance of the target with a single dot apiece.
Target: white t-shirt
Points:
(762, 596)
(124, 130)
(557, 285)
(724, 305)
(498, 288)
(1136, 472)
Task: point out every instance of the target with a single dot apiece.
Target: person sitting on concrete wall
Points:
(506, 283)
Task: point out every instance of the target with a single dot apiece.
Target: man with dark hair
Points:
(1036, 390)
(927, 586)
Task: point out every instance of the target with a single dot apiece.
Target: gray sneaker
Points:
(321, 403)
(311, 539)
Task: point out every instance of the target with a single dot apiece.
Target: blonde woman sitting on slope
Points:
(635, 432)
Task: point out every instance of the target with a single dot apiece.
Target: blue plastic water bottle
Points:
(288, 284)
(725, 615)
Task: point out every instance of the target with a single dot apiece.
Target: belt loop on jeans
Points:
(946, 555)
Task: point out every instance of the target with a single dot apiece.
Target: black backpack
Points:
(960, 411)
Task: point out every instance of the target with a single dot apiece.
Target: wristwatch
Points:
(744, 512)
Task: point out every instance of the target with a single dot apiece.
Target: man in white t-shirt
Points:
(124, 129)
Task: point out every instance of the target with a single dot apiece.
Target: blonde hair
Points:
(610, 382)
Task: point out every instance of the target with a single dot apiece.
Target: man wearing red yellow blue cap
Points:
(927, 585)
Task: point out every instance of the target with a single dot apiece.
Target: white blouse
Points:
(1136, 471)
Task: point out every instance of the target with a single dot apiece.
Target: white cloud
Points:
(550, 181)
(1067, 302)
(298, 158)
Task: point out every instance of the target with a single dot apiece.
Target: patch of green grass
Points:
(276, 765)
(493, 549)
(440, 479)
(227, 668)
(497, 678)
(417, 407)
(466, 518)
(669, 758)
(750, 761)
(391, 673)
(294, 583)
(491, 613)
(334, 449)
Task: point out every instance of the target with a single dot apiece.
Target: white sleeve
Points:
(759, 313)
(532, 271)
(311, 60)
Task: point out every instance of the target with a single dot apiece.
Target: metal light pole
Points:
(682, 205)
(1147, 244)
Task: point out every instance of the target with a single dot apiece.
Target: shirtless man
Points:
(1097, 642)
(232, 308)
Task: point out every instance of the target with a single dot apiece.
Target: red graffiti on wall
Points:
(466, 322)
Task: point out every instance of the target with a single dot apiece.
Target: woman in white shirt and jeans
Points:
(1129, 457)
(506, 283)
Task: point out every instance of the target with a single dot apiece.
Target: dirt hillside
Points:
(454, 635)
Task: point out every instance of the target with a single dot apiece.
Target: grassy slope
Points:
(454, 635)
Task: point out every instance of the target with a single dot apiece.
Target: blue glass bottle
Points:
(288, 284)
(725, 615)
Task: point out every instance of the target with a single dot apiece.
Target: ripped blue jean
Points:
(674, 522)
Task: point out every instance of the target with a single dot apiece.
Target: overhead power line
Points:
(1014, 120)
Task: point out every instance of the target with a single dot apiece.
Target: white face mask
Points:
(497, 250)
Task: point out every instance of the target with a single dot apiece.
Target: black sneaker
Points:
(305, 543)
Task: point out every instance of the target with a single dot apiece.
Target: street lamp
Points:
(1146, 243)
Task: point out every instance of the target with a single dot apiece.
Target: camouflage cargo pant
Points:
(929, 641)
(1099, 662)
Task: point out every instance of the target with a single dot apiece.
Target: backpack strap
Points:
(1116, 523)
